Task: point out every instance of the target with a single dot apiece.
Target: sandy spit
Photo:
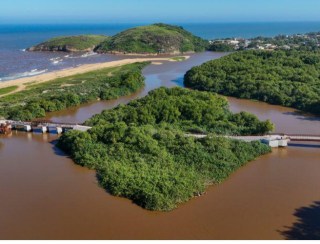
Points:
(22, 82)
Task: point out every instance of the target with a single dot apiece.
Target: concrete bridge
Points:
(273, 140)
(303, 137)
(40, 126)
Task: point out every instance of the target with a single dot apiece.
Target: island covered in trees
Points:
(152, 39)
(142, 150)
(289, 78)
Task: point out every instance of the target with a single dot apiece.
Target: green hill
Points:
(70, 43)
(153, 39)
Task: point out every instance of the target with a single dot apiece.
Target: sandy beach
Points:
(22, 82)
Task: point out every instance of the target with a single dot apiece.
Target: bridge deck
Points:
(291, 137)
(47, 124)
(74, 126)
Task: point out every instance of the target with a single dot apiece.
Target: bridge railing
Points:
(294, 135)
(45, 123)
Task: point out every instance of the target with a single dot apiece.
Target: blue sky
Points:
(139, 11)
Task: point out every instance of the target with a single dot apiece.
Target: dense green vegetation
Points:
(287, 78)
(141, 150)
(221, 47)
(8, 89)
(191, 111)
(65, 92)
(70, 43)
(154, 39)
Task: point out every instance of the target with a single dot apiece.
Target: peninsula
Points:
(14, 86)
(30, 98)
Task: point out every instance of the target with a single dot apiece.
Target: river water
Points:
(44, 195)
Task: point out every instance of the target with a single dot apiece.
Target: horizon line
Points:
(154, 22)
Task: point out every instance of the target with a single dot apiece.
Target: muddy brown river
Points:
(44, 195)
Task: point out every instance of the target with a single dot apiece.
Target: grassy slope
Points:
(7, 89)
(75, 43)
(153, 39)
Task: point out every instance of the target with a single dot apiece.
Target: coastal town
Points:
(310, 41)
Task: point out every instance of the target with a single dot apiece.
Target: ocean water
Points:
(14, 39)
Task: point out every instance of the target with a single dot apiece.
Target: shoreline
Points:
(21, 83)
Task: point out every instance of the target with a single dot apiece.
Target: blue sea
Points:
(14, 39)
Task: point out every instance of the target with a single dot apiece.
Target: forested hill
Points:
(154, 39)
(70, 43)
(287, 78)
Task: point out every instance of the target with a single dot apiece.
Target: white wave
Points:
(56, 60)
(88, 54)
(24, 74)
(22, 50)
(71, 56)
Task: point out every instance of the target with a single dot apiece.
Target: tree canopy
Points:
(287, 78)
(188, 110)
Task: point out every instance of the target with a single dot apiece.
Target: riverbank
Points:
(21, 84)
(70, 91)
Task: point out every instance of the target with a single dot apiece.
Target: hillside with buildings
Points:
(309, 41)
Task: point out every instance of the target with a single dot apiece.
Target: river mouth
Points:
(44, 195)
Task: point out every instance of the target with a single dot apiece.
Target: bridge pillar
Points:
(27, 128)
(55, 129)
(40, 129)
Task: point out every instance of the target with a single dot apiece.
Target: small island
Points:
(141, 151)
(143, 40)
(82, 43)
